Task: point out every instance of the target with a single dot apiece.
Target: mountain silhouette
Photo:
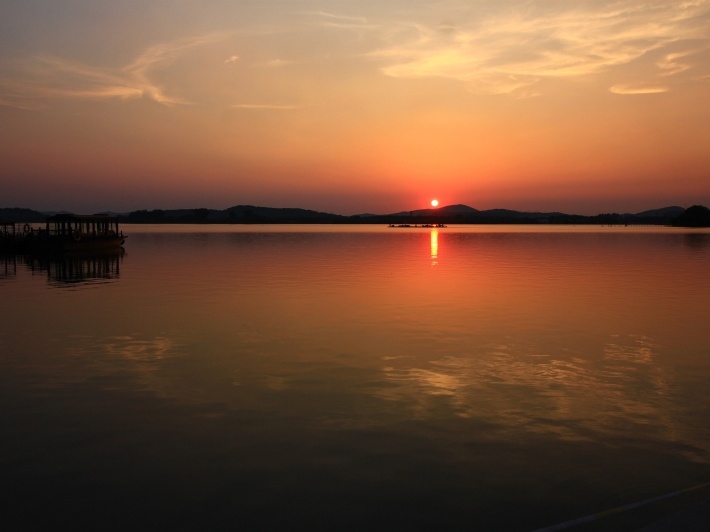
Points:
(458, 213)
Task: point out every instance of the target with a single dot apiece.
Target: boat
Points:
(415, 225)
(8, 236)
(69, 233)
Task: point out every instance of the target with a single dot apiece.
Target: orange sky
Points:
(352, 107)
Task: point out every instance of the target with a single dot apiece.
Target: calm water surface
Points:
(323, 377)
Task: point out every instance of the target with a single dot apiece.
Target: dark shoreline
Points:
(695, 216)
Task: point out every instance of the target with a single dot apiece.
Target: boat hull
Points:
(53, 245)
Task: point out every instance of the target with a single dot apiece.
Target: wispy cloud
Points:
(515, 48)
(231, 60)
(637, 89)
(279, 107)
(273, 63)
(342, 21)
(44, 78)
(676, 62)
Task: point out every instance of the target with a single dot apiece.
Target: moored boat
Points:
(423, 225)
(10, 238)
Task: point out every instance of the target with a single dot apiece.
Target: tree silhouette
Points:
(695, 216)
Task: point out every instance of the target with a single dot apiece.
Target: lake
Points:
(354, 377)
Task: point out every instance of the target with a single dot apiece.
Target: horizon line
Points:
(401, 212)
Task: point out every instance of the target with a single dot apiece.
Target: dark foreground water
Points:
(317, 377)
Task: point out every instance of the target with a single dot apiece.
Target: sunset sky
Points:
(354, 106)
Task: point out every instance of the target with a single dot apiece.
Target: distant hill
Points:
(665, 212)
(236, 214)
(54, 213)
(449, 210)
(461, 214)
(251, 213)
(21, 215)
(695, 216)
(465, 214)
(509, 214)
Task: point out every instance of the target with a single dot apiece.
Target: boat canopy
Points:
(94, 225)
(7, 229)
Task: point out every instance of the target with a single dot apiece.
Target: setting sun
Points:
(434, 203)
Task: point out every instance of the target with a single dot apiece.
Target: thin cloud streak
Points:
(279, 107)
(630, 89)
(273, 63)
(47, 77)
(343, 21)
(670, 64)
(515, 49)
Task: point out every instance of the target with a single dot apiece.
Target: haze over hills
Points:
(447, 214)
